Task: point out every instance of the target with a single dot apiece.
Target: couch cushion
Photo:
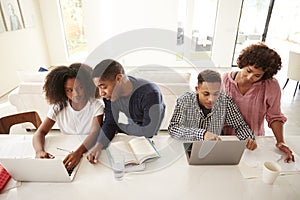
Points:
(29, 76)
(31, 88)
(163, 76)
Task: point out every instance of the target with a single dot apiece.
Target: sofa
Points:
(171, 83)
(29, 95)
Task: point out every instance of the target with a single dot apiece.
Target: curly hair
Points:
(54, 86)
(261, 57)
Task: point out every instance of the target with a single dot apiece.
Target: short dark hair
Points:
(210, 76)
(107, 70)
(261, 57)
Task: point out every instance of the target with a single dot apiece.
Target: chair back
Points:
(8, 121)
(294, 66)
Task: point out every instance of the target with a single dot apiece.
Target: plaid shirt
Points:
(189, 123)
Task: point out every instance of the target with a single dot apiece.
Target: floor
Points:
(290, 107)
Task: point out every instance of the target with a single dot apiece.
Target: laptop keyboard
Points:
(4, 177)
(70, 171)
(188, 148)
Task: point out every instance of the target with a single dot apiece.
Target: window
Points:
(72, 15)
(196, 20)
(203, 24)
(251, 26)
(284, 30)
(281, 33)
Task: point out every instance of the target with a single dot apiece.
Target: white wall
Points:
(105, 19)
(24, 49)
(54, 32)
(225, 32)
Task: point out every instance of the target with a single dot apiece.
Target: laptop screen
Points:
(38, 170)
(214, 152)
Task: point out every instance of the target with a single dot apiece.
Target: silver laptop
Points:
(215, 152)
(38, 170)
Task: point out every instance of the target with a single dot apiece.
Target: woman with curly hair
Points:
(257, 93)
(71, 92)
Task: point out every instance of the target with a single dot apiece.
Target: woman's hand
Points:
(289, 154)
(72, 160)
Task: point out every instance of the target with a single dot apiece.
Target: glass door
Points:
(273, 21)
(196, 20)
(284, 32)
(251, 25)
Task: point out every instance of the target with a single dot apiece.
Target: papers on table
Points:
(252, 161)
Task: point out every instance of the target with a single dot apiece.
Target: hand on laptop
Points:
(211, 136)
(251, 144)
(72, 160)
(43, 154)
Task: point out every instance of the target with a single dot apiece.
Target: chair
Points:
(8, 121)
(293, 69)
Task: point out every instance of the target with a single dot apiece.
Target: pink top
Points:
(261, 101)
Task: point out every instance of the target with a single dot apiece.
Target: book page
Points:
(121, 147)
(142, 149)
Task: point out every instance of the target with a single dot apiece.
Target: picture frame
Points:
(28, 13)
(12, 15)
(2, 24)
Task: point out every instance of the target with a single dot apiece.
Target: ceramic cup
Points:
(270, 172)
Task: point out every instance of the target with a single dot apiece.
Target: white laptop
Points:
(228, 152)
(38, 170)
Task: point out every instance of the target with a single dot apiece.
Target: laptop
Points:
(38, 170)
(216, 152)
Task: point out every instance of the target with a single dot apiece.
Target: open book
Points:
(136, 150)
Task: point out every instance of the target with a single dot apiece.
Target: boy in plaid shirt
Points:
(201, 115)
